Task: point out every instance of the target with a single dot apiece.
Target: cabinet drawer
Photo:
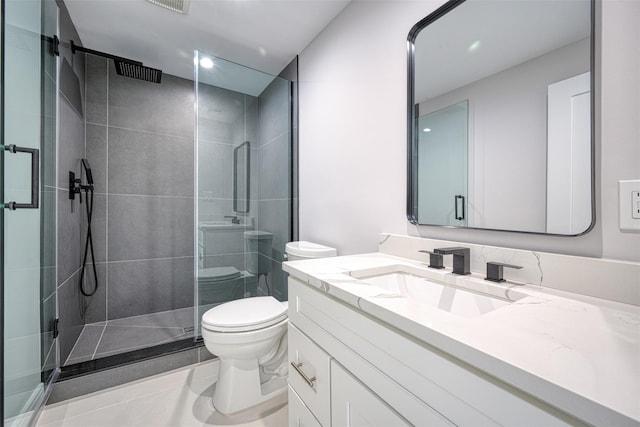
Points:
(299, 414)
(310, 376)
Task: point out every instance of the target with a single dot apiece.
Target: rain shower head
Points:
(137, 71)
(125, 67)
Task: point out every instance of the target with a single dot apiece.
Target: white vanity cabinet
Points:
(356, 370)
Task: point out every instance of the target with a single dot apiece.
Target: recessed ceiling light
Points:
(206, 62)
(474, 46)
(426, 130)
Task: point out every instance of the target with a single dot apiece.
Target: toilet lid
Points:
(304, 249)
(245, 314)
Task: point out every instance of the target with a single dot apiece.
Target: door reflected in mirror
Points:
(504, 88)
(442, 165)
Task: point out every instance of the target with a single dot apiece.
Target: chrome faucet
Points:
(461, 258)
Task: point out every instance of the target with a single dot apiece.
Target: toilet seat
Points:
(217, 274)
(244, 315)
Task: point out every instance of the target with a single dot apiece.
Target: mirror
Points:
(241, 178)
(500, 114)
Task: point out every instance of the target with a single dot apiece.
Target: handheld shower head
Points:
(87, 171)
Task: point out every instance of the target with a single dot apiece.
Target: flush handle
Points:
(298, 368)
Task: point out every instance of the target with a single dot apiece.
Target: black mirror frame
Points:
(412, 160)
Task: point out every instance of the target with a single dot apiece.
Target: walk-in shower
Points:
(191, 203)
(185, 217)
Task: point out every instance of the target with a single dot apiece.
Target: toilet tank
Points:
(258, 243)
(308, 250)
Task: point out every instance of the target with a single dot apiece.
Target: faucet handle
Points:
(495, 270)
(435, 260)
(234, 219)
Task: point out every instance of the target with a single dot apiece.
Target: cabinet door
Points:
(354, 405)
(299, 414)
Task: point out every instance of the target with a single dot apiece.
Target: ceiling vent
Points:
(180, 6)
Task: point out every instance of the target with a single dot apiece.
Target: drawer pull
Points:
(297, 367)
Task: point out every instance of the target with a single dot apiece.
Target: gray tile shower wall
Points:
(139, 141)
(69, 213)
(149, 286)
(274, 176)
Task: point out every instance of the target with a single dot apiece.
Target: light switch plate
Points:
(629, 205)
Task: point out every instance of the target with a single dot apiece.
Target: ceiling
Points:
(261, 34)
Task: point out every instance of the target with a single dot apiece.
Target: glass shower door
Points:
(28, 214)
(243, 182)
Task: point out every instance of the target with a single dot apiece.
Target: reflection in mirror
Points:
(505, 89)
(442, 165)
(241, 178)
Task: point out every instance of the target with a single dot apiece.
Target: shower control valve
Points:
(74, 186)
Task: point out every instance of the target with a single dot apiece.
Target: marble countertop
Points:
(578, 353)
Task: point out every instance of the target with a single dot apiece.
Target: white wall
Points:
(620, 115)
(353, 133)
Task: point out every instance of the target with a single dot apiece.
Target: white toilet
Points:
(250, 337)
(246, 335)
(301, 250)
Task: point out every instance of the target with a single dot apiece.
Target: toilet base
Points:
(238, 386)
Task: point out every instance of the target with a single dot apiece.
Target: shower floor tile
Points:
(176, 398)
(132, 333)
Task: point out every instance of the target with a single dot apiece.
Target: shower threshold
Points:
(104, 339)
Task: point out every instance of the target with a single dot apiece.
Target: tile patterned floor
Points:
(121, 335)
(177, 398)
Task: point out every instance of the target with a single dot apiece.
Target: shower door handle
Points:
(458, 198)
(35, 178)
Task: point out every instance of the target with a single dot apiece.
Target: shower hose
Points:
(88, 245)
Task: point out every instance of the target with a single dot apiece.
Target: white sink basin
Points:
(453, 299)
